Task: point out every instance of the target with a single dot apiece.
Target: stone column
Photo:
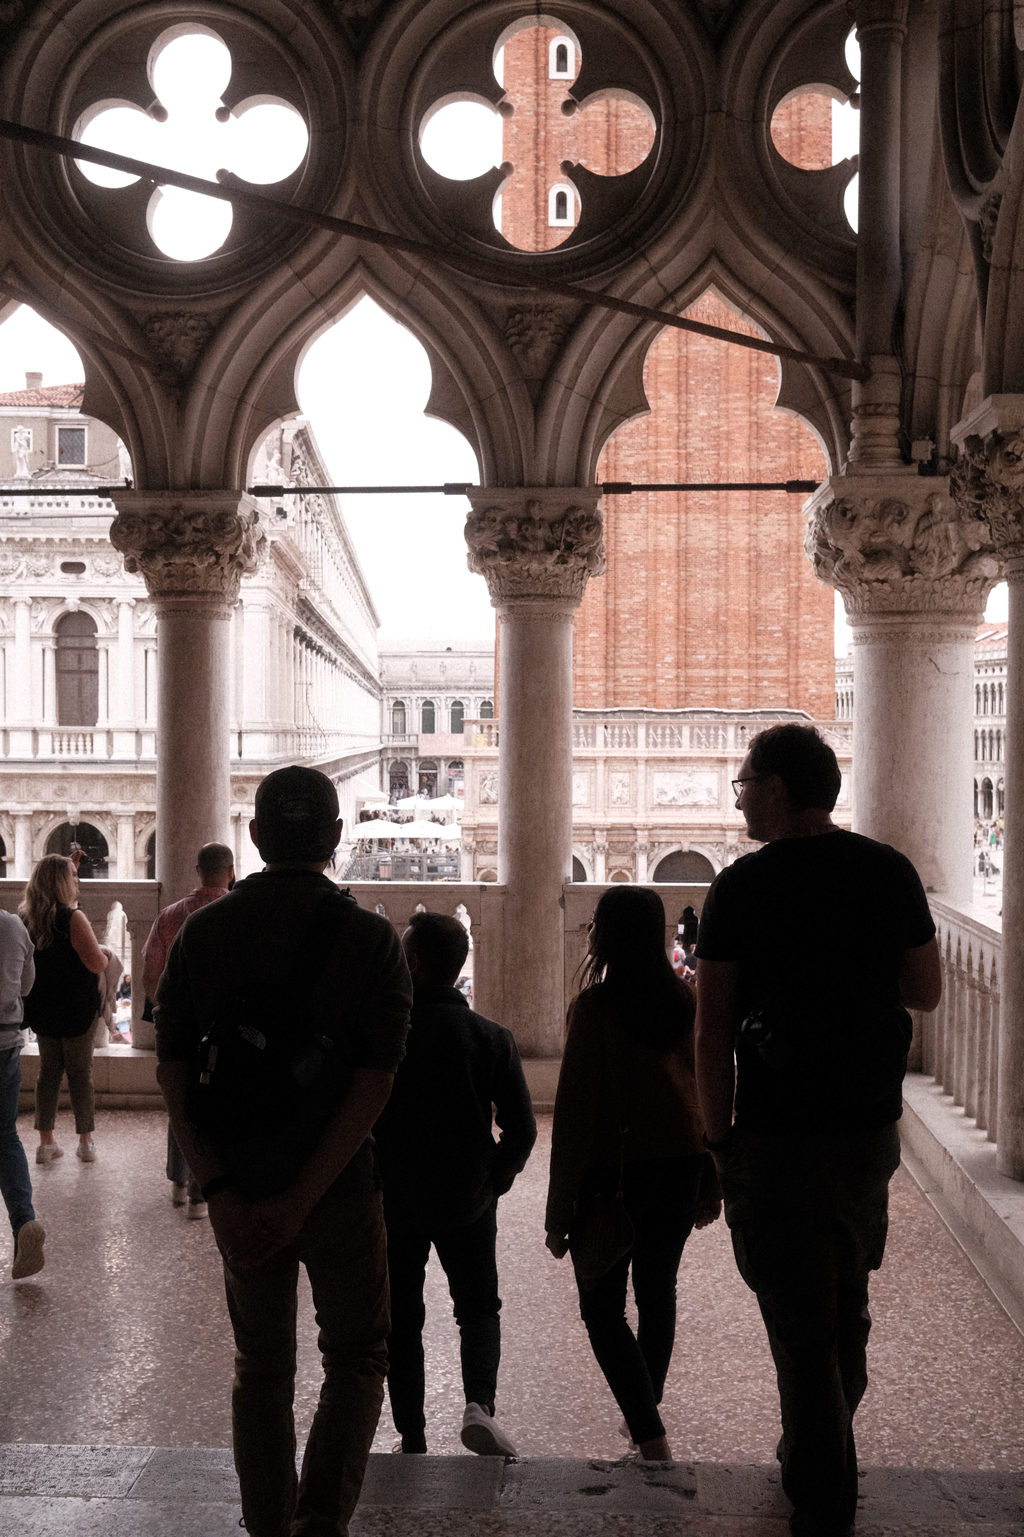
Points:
(192, 548)
(125, 846)
(881, 28)
(914, 571)
(22, 846)
(536, 547)
(988, 482)
(21, 711)
(122, 701)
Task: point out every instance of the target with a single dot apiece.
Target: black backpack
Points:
(267, 1076)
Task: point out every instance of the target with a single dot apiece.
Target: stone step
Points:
(78, 1491)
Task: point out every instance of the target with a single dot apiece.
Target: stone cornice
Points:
(189, 544)
(898, 544)
(536, 542)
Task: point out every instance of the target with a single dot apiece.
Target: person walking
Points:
(626, 1120)
(17, 973)
(64, 1001)
(288, 965)
(443, 1174)
(811, 1046)
(215, 867)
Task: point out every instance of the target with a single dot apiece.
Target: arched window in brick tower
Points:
(78, 671)
(561, 205)
(561, 59)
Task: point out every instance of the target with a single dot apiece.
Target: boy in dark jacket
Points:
(443, 1173)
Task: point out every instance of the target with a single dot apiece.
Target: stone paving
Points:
(115, 1364)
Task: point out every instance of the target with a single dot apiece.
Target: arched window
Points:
(578, 871)
(78, 671)
(1001, 709)
(94, 865)
(992, 745)
(398, 718)
(975, 747)
(487, 710)
(427, 718)
(561, 59)
(975, 796)
(151, 857)
(458, 715)
(685, 866)
(561, 204)
(984, 699)
(1000, 798)
(986, 798)
(977, 699)
(999, 747)
(3, 860)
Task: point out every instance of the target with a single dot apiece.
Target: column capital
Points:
(987, 479)
(880, 16)
(189, 544)
(536, 541)
(897, 544)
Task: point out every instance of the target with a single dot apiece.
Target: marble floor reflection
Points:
(123, 1339)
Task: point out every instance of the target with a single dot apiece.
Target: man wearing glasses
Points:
(812, 1045)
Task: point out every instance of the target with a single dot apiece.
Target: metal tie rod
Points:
(232, 189)
(607, 488)
(103, 493)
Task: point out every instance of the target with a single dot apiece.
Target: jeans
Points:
(467, 1259)
(660, 1195)
(178, 1171)
(71, 1054)
(809, 1220)
(344, 1249)
(15, 1185)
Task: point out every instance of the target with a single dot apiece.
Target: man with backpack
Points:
(281, 1019)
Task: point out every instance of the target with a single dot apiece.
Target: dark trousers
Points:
(660, 1195)
(343, 1247)
(467, 1259)
(809, 1222)
(178, 1171)
(15, 1184)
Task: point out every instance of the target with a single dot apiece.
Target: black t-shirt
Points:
(817, 928)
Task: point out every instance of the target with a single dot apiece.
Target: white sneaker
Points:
(179, 1195)
(46, 1152)
(86, 1151)
(482, 1435)
(197, 1209)
(28, 1250)
(624, 1433)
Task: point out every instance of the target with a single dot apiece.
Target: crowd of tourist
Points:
(291, 1023)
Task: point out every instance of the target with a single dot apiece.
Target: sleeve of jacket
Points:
(572, 1131)
(515, 1118)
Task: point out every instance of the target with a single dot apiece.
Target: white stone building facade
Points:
(429, 691)
(78, 646)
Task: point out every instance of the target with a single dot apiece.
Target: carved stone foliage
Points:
(534, 332)
(179, 337)
(189, 542)
(902, 547)
(988, 483)
(530, 555)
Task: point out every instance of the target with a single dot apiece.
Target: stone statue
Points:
(21, 447)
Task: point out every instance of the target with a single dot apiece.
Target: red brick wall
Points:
(709, 599)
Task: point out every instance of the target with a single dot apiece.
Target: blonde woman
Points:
(63, 1003)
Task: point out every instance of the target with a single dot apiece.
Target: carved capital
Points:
(898, 544)
(988, 483)
(189, 543)
(536, 542)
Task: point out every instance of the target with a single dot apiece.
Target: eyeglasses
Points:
(737, 784)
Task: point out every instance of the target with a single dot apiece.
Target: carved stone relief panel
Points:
(620, 788)
(684, 787)
(487, 793)
(581, 787)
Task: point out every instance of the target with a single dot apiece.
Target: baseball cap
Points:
(296, 812)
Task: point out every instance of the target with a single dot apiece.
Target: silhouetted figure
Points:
(443, 1174)
(17, 973)
(820, 1043)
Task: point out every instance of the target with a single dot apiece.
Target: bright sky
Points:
(364, 382)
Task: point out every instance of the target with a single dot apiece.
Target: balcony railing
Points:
(959, 1043)
(78, 744)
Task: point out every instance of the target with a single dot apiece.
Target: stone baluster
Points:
(914, 569)
(192, 548)
(988, 483)
(537, 547)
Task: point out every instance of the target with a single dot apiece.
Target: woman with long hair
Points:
(63, 1003)
(626, 1121)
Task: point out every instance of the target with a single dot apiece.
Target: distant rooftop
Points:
(65, 396)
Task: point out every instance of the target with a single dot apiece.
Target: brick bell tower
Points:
(709, 600)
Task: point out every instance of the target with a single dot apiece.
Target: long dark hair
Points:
(627, 962)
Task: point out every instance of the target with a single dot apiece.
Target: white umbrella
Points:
(411, 803)
(424, 829)
(444, 803)
(378, 830)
